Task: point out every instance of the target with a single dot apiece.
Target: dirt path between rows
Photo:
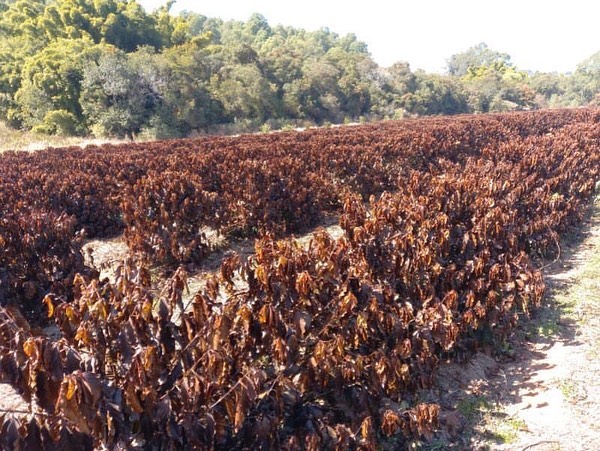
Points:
(107, 254)
(542, 392)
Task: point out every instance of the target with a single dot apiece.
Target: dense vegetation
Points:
(294, 347)
(109, 68)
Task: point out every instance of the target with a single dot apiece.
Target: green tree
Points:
(44, 45)
(474, 57)
(185, 101)
(315, 95)
(498, 87)
(585, 86)
(258, 27)
(117, 98)
(131, 28)
(124, 24)
(51, 83)
(69, 66)
(396, 84)
(356, 74)
(244, 93)
(549, 88)
(20, 37)
(436, 94)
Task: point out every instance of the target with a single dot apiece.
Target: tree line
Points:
(109, 68)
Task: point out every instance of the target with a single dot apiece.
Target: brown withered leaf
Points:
(367, 433)
(304, 283)
(280, 350)
(240, 412)
(132, 398)
(347, 304)
(391, 423)
(10, 437)
(49, 305)
(302, 321)
(31, 349)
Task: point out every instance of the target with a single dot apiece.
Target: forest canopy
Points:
(109, 68)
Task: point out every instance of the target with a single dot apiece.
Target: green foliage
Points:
(185, 103)
(58, 122)
(108, 66)
(549, 88)
(475, 57)
(117, 97)
(132, 28)
(174, 74)
(244, 92)
(435, 94)
(586, 80)
(51, 81)
(314, 96)
(498, 87)
(46, 45)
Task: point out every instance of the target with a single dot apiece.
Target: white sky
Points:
(545, 35)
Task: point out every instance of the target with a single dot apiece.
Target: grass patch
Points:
(568, 389)
(490, 421)
(547, 329)
(546, 321)
(11, 139)
(473, 407)
(507, 431)
(573, 390)
(577, 301)
(501, 429)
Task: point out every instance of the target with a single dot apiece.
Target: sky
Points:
(539, 35)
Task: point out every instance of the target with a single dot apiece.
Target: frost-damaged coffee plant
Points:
(296, 347)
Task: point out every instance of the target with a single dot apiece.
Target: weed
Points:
(473, 406)
(568, 389)
(508, 431)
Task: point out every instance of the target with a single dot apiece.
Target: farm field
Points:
(438, 226)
